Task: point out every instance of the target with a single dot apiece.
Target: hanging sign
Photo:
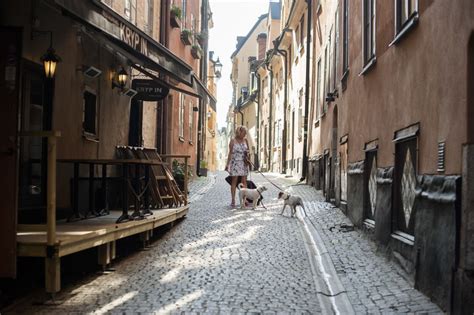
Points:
(149, 90)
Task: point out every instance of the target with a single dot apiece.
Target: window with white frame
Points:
(369, 31)
(181, 116)
(300, 115)
(130, 10)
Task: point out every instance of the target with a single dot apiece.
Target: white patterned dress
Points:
(237, 166)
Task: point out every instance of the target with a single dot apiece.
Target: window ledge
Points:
(409, 25)
(181, 139)
(404, 237)
(191, 143)
(368, 66)
(90, 137)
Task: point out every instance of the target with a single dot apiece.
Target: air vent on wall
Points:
(91, 72)
(130, 92)
(441, 156)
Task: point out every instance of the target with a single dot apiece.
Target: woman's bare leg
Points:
(233, 188)
(244, 181)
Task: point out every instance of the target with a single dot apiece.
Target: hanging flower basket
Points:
(175, 16)
(196, 51)
(201, 38)
(186, 36)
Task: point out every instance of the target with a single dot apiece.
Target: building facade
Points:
(377, 116)
(92, 99)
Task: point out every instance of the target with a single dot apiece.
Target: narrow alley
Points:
(224, 260)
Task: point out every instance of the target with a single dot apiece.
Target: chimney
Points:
(262, 45)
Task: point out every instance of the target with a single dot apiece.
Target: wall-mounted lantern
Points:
(50, 61)
(122, 76)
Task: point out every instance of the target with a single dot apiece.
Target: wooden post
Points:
(52, 261)
(51, 191)
(186, 180)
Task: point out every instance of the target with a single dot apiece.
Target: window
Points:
(300, 115)
(318, 90)
(181, 116)
(325, 87)
(183, 14)
(89, 118)
(336, 43)
(369, 31)
(345, 39)
(330, 62)
(191, 122)
(297, 33)
(406, 16)
(301, 35)
(130, 10)
(290, 60)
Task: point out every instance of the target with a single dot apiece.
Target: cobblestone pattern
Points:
(217, 260)
(374, 283)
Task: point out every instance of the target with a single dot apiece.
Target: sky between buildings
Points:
(232, 18)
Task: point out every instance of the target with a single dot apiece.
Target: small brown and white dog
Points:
(252, 194)
(292, 201)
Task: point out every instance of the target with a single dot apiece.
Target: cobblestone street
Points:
(242, 261)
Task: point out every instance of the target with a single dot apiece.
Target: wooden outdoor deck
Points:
(101, 232)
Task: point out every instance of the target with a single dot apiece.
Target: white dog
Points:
(253, 194)
(292, 201)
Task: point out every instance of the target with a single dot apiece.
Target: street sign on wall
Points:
(149, 90)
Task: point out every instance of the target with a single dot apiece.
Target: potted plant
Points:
(175, 16)
(201, 38)
(178, 174)
(203, 168)
(186, 36)
(196, 51)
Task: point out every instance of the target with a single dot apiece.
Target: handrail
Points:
(52, 136)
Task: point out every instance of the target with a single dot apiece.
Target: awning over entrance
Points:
(128, 39)
(144, 52)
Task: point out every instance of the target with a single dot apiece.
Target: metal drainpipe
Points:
(306, 105)
(270, 151)
(257, 163)
(201, 137)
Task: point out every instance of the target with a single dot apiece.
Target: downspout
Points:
(257, 163)
(163, 112)
(306, 103)
(270, 125)
(201, 137)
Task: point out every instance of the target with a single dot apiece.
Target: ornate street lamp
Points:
(50, 60)
(218, 68)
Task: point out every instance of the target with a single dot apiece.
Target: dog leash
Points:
(279, 188)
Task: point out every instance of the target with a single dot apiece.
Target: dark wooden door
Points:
(10, 53)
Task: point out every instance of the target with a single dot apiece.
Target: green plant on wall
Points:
(203, 164)
(176, 11)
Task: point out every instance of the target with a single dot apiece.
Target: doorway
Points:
(35, 115)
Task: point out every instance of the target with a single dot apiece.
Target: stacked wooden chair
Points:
(164, 191)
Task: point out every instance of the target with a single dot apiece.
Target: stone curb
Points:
(331, 293)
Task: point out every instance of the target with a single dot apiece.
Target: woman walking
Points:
(238, 160)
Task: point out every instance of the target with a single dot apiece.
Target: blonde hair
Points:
(240, 130)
